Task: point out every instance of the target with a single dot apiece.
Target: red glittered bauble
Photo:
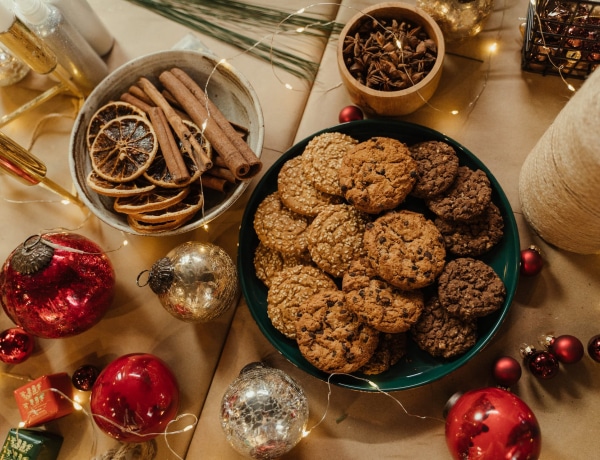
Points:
(531, 261)
(57, 285)
(492, 423)
(568, 349)
(506, 371)
(350, 113)
(594, 348)
(134, 398)
(16, 345)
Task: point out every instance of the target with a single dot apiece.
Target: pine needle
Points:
(250, 28)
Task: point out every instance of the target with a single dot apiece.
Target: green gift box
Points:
(25, 444)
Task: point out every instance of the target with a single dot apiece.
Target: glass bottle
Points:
(72, 51)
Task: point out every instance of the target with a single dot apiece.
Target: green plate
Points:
(421, 368)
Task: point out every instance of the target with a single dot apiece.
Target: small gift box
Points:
(24, 444)
(44, 399)
(562, 37)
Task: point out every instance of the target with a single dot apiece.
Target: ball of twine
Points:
(559, 183)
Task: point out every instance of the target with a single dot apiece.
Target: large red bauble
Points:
(492, 423)
(57, 285)
(134, 398)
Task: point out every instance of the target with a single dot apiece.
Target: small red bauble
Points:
(57, 285)
(16, 345)
(594, 348)
(567, 348)
(84, 377)
(134, 398)
(506, 371)
(531, 261)
(492, 423)
(542, 364)
(350, 113)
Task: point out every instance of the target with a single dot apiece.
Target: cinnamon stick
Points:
(168, 145)
(189, 142)
(223, 173)
(131, 99)
(214, 183)
(222, 121)
(140, 94)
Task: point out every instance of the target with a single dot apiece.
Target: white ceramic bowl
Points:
(227, 88)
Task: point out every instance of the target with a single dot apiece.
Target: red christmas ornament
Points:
(568, 349)
(84, 377)
(506, 371)
(594, 348)
(57, 285)
(492, 423)
(16, 345)
(350, 113)
(531, 261)
(541, 363)
(134, 398)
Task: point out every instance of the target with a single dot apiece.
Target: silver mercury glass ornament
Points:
(195, 281)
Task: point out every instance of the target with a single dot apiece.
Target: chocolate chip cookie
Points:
(335, 237)
(406, 249)
(389, 351)
(469, 288)
(289, 289)
(377, 175)
(297, 193)
(441, 334)
(321, 160)
(331, 337)
(280, 228)
(468, 196)
(473, 237)
(377, 303)
(437, 167)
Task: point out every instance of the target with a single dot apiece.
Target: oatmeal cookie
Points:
(331, 337)
(389, 351)
(406, 249)
(268, 262)
(377, 303)
(441, 334)
(473, 237)
(469, 288)
(377, 175)
(468, 196)
(279, 228)
(437, 167)
(321, 160)
(297, 193)
(288, 290)
(335, 238)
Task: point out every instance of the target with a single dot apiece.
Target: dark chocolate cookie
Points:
(437, 167)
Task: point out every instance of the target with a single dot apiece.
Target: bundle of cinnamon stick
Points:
(183, 99)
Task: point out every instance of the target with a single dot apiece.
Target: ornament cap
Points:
(32, 256)
(161, 276)
(451, 402)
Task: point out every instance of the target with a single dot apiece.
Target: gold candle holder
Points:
(25, 45)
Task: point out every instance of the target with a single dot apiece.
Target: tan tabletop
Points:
(502, 113)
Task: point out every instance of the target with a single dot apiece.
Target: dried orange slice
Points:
(158, 173)
(146, 228)
(114, 189)
(107, 113)
(124, 148)
(157, 199)
(188, 207)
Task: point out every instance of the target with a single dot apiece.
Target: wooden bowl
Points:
(227, 88)
(397, 102)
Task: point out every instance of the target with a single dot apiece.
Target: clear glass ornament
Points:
(264, 412)
(458, 19)
(12, 69)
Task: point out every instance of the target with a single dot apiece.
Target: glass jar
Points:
(12, 69)
(458, 19)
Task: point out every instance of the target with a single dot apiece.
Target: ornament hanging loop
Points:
(139, 281)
